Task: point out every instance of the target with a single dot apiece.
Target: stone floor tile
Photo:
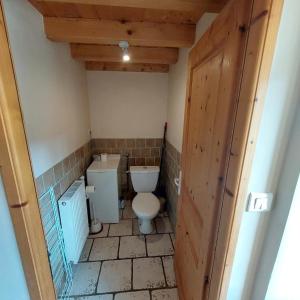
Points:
(85, 277)
(169, 270)
(128, 213)
(104, 248)
(163, 225)
(124, 227)
(86, 250)
(103, 233)
(96, 297)
(140, 295)
(148, 273)
(166, 294)
(136, 230)
(159, 244)
(172, 235)
(132, 246)
(115, 276)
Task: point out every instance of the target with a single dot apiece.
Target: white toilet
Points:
(145, 205)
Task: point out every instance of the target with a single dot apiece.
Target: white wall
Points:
(12, 280)
(177, 87)
(289, 176)
(127, 104)
(280, 106)
(284, 283)
(52, 88)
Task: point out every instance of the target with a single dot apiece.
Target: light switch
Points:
(259, 202)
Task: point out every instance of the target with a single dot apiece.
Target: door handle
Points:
(177, 182)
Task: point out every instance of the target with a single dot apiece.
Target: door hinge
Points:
(243, 28)
(264, 13)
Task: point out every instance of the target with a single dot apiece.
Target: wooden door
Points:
(16, 173)
(223, 65)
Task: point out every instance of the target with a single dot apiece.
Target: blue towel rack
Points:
(61, 270)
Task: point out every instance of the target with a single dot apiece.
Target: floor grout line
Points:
(118, 255)
(98, 277)
(132, 273)
(146, 246)
(172, 242)
(150, 234)
(163, 267)
(101, 261)
(88, 258)
(125, 258)
(107, 231)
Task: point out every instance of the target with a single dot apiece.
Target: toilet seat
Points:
(146, 205)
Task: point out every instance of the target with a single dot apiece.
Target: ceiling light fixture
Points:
(124, 46)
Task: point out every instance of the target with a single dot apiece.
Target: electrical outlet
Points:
(259, 202)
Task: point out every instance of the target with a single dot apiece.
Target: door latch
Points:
(177, 182)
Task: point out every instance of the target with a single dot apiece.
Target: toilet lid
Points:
(145, 204)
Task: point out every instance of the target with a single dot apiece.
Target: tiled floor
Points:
(121, 264)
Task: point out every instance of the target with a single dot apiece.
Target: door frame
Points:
(260, 47)
(18, 180)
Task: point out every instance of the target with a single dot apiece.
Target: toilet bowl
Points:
(146, 206)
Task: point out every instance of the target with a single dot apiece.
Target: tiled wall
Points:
(170, 170)
(141, 152)
(61, 176)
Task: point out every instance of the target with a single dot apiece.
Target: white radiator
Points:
(74, 220)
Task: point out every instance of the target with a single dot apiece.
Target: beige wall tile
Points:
(140, 143)
(39, 185)
(48, 178)
(58, 171)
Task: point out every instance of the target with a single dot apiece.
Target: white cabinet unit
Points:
(104, 176)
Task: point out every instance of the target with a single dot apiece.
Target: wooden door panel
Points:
(194, 229)
(198, 207)
(201, 139)
(225, 68)
(193, 282)
(214, 77)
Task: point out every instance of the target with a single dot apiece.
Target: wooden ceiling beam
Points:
(106, 12)
(126, 67)
(106, 53)
(90, 31)
(173, 5)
